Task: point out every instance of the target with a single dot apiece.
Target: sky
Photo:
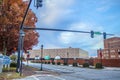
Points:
(81, 15)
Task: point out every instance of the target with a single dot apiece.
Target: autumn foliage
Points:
(11, 16)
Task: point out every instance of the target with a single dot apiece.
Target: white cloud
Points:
(55, 10)
(83, 39)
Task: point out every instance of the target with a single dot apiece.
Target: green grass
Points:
(9, 75)
(11, 69)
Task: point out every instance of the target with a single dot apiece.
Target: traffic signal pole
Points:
(22, 34)
(91, 32)
(20, 43)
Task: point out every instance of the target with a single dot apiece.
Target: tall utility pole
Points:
(21, 33)
(41, 57)
(20, 45)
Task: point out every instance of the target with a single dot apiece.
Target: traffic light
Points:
(39, 3)
(104, 35)
(92, 34)
(14, 48)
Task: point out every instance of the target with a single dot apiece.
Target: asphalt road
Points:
(74, 73)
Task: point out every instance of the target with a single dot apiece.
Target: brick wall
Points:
(108, 62)
(105, 62)
(71, 61)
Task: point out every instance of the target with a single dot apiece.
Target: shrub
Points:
(98, 66)
(32, 61)
(13, 64)
(58, 63)
(13, 57)
(53, 63)
(65, 63)
(45, 62)
(48, 62)
(75, 64)
(86, 65)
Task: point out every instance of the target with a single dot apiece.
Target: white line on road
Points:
(50, 76)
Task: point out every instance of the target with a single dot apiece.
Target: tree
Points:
(11, 16)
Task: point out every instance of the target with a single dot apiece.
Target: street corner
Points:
(47, 72)
(49, 77)
(42, 77)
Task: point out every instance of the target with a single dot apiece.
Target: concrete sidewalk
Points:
(42, 77)
(112, 68)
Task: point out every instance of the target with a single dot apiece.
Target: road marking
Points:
(50, 76)
(35, 78)
(58, 77)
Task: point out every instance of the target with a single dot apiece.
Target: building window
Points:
(112, 56)
(112, 51)
(119, 53)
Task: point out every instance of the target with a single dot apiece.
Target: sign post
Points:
(1, 62)
(4, 60)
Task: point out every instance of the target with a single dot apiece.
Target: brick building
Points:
(111, 49)
(63, 53)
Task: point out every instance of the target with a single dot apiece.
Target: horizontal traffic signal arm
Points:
(51, 29)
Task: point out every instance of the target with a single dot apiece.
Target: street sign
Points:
(97, 33)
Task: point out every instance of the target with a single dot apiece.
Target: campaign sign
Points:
(6, 60)
(1, 59)
(1, 56)
(1, 62)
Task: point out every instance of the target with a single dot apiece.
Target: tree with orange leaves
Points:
(11, 16)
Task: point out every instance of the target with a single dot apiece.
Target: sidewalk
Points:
(108, 68)
(112, 68)
(43, 75)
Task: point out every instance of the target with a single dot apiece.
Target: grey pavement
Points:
(73, 73)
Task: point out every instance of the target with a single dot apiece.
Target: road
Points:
(76, 73)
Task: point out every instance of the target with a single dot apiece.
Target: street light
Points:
(41, 57)
(67, 57)
(109, 49)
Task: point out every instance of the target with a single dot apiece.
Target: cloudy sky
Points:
(82, 15)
